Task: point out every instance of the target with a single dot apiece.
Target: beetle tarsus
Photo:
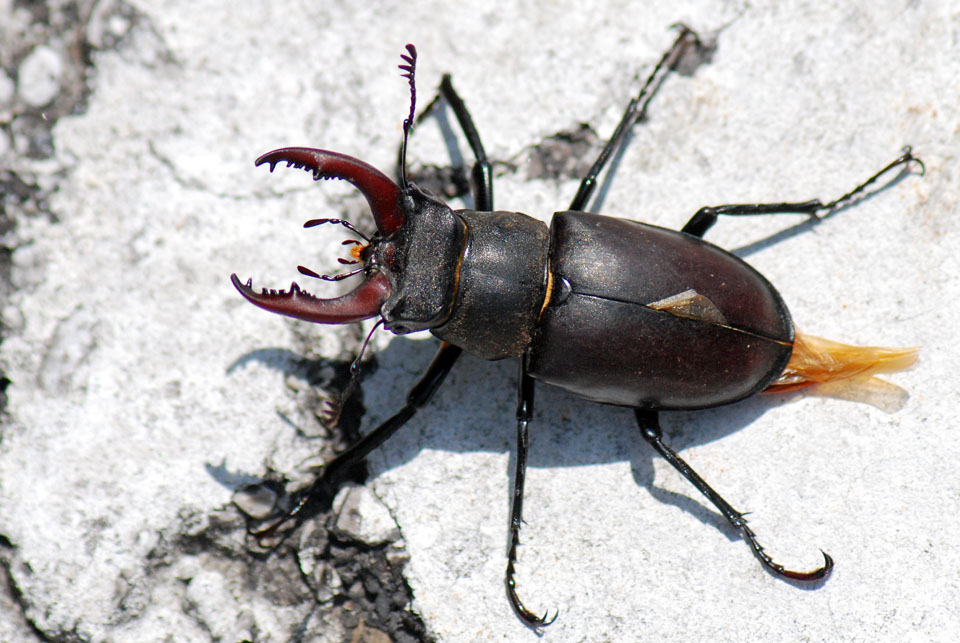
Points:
(525, 391)
(528, 617)
(812, 576)
(776, 568)
(905, 158)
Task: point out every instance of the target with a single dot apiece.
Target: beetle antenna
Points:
(303, 270)
(334, 408)
(410, 70)
(348, 262)
(312, 223)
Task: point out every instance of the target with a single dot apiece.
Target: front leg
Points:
(334, 472)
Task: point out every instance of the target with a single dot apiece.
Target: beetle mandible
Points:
(614, 311)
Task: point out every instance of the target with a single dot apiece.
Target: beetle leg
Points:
(482, 183)
(637, 109)
(650, 428)
(482, 173)
(705, 217)
(524, 415)
(336, 471)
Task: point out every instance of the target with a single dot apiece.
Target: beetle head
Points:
(409, 266)
(384, 199)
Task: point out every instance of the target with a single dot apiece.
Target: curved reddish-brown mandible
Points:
(381, 193)
(362, 303)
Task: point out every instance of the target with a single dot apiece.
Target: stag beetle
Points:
(615, 311)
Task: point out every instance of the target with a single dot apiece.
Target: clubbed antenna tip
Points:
(410, 70)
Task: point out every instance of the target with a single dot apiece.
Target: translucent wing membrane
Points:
(817, 361)
(692, 305)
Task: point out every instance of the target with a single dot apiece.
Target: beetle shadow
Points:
(323, 374)
(474, 411)
(686, 429)
(279, 359)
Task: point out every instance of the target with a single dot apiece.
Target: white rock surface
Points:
(140, 378)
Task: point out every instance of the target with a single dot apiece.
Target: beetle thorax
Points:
(501, 284)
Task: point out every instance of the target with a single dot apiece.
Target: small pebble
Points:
(39, 76)
(258, 501)
(364, 517)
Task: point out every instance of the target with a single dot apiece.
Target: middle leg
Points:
(524, 415)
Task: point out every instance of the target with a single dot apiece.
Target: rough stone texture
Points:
(143, 392)
(39, 76)
(363, 517)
